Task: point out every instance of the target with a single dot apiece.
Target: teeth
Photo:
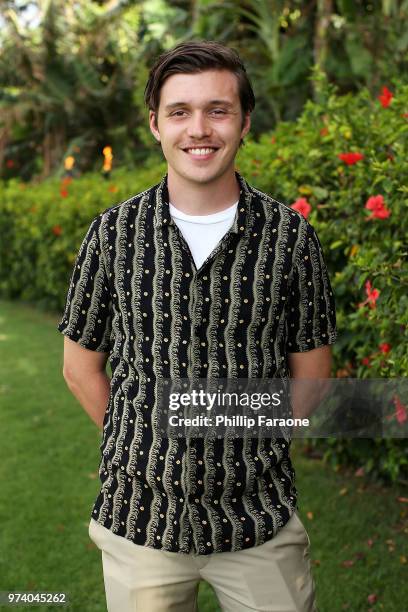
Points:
(200, 151)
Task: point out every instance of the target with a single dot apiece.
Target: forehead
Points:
(200, 88)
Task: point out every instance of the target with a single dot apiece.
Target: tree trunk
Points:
(321, 38)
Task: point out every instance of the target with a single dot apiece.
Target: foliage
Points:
(72, 77)
(380, 459)
(67, 85)
(43, 225)
(364, 240)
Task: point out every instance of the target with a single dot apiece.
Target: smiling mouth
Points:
(200, 151)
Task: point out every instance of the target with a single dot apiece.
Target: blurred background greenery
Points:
(72, 74)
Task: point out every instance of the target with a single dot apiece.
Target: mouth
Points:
(201, 153)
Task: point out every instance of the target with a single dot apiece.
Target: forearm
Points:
(310, 373)
(92, 392)
(306, 396)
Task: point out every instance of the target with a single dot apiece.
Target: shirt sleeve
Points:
(87, 314)
(311, 314)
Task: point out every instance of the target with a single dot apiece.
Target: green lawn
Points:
(49, 458)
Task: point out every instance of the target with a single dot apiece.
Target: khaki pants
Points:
(272, 577)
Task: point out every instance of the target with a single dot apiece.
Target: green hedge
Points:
(365, 248)
(42, 226)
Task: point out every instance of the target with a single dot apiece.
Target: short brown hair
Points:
(196, 56)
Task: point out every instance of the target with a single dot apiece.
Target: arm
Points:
(313, 366)
(85, 374)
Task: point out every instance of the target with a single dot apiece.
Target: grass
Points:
(48, 463)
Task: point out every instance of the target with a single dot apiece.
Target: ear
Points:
(247, 125)
(153, 125)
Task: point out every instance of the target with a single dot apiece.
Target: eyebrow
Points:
(226, 103)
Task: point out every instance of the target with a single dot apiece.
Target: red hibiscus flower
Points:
(385, 347)
(350, 158)
(385, 97)
(64, 193)
(376, 205)
(366, 361)
(372, 295)
(372, 598)
(401, 413)
(302, 206)
(57, 230)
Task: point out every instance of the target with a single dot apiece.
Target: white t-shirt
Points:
(203, 232)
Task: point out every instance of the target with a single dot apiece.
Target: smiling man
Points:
(200, 276)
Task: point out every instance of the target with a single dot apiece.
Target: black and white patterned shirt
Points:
(136, 294)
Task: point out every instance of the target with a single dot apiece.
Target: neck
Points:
(194, 198)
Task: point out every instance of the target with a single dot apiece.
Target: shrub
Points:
(42, 227)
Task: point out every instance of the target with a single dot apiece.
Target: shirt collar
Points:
(242, 218)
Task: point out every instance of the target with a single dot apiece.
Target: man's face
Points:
(200, 124)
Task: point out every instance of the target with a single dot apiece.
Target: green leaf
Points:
(319, 192)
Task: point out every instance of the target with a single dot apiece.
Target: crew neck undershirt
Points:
(203, 232)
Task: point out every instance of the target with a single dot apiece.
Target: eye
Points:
(177, 113)
(218, 111)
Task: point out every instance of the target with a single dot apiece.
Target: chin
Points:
(203, 177)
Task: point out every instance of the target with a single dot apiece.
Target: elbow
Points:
(69, 375)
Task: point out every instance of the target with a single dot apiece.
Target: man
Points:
(201, 276)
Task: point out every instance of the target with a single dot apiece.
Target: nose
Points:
(198, 126)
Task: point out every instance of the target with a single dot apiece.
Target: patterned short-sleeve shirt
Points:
(136, 294)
